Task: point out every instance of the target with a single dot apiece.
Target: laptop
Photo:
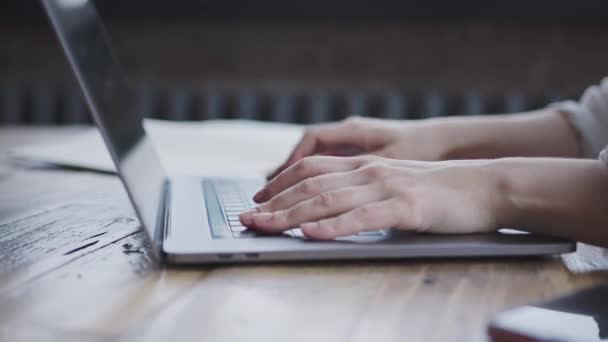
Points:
(195, 220)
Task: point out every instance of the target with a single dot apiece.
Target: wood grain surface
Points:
(74, 267)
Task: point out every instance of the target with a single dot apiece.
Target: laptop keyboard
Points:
(226, 199)
(233, 201)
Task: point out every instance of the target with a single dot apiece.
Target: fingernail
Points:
(309, 226)
(259, 196)
(262, 218)
(246, 218)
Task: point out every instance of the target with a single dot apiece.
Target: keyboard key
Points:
(370, 233)
(235, 205)
(244, 234)
(297, 232)
(234, 209)
(289, 233)
(234, 212)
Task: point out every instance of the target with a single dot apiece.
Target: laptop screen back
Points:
(111, 103)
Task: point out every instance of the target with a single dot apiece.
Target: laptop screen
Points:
(111, 103)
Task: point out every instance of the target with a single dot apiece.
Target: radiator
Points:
(43, 103)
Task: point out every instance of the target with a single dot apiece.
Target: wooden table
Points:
(75, 267)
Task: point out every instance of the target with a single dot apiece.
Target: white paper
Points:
(206, 148)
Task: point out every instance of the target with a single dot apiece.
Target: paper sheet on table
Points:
(206, 148)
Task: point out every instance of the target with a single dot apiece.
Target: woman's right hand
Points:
(396, 139)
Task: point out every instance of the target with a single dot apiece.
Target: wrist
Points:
(506, 207)
(543, 133)
(552, 196)
(459, 138)
(442, 138)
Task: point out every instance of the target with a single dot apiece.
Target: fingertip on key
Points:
(259, 219)
(312, 230)
(309, 226)
(259, 196)
(246, 218)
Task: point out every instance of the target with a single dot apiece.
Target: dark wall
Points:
(541, 50)
(342, 11)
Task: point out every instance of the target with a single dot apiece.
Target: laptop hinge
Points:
(162, 222)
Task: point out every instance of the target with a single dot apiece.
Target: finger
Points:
(306, 147)
(311, 187)
(318, 138)
(327, 204)
(305, 168)
(342, 151)
(373, 216)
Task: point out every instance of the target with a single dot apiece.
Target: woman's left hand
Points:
(329, 197)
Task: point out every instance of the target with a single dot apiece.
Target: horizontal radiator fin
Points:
(44, 103)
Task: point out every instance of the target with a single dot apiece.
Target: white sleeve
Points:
(590, 117)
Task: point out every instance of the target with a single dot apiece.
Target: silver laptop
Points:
(195, 220)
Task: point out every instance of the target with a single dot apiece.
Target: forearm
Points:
(543, 133)
(560, 197)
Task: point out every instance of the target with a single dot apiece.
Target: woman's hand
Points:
(398, 139)
(329, 197)
(533, 134)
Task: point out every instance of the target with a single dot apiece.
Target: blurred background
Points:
(315, 60)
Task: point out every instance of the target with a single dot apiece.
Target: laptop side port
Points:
(225, 256)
